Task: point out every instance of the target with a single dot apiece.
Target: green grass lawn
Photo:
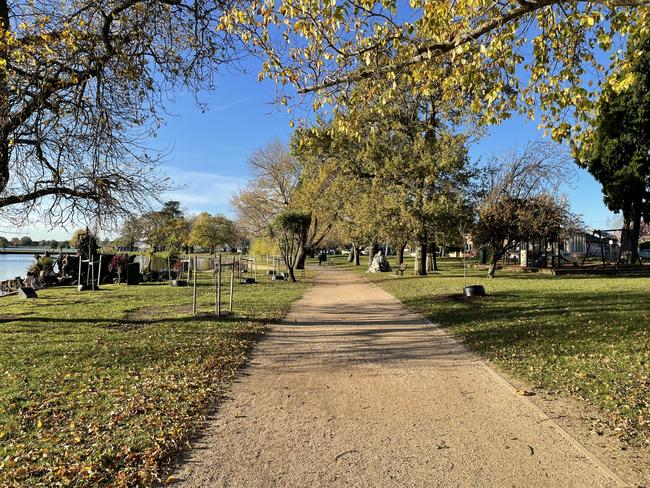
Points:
(104, 388)
(587, 337)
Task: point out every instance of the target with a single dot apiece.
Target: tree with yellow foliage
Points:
(211, 231)
(546, 59)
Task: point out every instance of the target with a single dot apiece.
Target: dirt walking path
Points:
(353, 390)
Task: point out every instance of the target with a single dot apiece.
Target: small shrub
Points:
(118, 264)
(46, 264)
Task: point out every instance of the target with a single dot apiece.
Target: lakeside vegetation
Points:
(582, 336)
(104, 388)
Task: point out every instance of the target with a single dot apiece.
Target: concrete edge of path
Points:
(543, 416)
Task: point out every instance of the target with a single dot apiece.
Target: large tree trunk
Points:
(400, 254)
(495, 255)
(292, 276)
(302, 257)
(4, 164)
(374, 249)
(421, 259)
(302, 253)
(493, 267)
(630, 236)
(432, 265)
(4, 96)
(351, 255)
(429, 263)
(357, 254)
(433, 254)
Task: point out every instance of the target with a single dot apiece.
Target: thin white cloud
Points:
(202, 191)
(233, 104)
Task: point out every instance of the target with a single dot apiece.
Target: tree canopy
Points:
(82, 86)
(518, 200)
(409, 163)
(288, 229)
(211, 231)
(286, 179)
(495, 57)
(276, 174)
(618, 154)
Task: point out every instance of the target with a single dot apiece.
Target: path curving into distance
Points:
(355, 390)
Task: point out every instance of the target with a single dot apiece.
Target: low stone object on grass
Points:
(27, 292)
(133, 274)
(379, 264)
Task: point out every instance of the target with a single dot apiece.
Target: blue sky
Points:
(209, 149)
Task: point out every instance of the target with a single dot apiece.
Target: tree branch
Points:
(44, 192)
(431, 51)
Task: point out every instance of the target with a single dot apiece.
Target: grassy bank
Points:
(104, 388)
(588, 337)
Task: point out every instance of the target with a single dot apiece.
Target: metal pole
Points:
(194, 286)
(215, 283)
(219, 288)
(90, 277)
(79, 274)
(91, 263)
(232, 281)
(99, 271)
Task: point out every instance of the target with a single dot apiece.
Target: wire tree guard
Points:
(219, 267)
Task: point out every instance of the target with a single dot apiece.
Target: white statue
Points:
(379, 264)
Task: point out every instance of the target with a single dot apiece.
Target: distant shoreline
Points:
(35, 250)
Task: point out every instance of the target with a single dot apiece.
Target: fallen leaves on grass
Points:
(87, 404)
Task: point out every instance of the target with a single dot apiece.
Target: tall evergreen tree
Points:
(618, 155)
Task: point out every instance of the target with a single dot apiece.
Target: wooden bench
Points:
(401, 269)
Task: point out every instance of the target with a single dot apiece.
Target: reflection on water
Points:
(12, 265)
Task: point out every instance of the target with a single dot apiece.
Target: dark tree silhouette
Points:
(618, 155)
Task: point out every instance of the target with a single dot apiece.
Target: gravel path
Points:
(354, 390)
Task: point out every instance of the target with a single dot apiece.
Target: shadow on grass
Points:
(551, 319)
(35, 322)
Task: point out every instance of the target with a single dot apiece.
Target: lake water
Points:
(12, 265)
